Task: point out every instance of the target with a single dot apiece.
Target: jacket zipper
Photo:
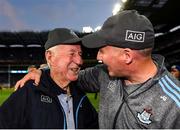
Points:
(77, 111)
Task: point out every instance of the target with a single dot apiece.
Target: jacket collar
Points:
(159, 60)
(48, 86)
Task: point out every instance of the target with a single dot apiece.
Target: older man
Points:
(56, 102)
(136, 90)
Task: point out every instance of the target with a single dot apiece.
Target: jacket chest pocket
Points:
(45, 115)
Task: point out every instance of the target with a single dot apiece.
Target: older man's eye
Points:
(71, 54)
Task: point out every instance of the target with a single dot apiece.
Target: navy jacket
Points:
(39, 107)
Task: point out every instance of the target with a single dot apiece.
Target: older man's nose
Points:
(78, 60)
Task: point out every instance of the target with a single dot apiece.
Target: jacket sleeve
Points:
(12, 111)
(88, 79)
(171, 119)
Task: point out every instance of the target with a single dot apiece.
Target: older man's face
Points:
(66, 61)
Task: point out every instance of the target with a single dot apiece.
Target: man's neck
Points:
(61, 82)
(148, 70)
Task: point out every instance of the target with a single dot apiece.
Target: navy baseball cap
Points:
(61, 36)
(127, 29)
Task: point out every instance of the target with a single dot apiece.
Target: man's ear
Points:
(48, 55)
(128, 55)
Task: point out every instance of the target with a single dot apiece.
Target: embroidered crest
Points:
(144, 117)
(46, 99)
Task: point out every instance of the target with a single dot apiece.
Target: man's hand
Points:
(34, 75)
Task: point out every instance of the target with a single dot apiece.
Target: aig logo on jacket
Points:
(134, 36)
(46, 99)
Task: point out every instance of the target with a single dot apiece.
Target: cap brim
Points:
(93, 40)
(73, 41)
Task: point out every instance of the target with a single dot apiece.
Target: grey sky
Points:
(42, 15)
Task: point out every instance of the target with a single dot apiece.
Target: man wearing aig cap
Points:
(136, 90)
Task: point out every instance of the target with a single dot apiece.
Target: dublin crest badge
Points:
(144, 117)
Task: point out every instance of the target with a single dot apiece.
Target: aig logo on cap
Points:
(134, 36)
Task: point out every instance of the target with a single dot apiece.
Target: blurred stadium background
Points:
(18, 50)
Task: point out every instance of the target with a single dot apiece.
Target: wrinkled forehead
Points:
(69, 47)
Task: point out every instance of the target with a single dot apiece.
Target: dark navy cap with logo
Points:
(61, 36)
(127, 29)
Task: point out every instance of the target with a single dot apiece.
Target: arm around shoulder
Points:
(88, 79)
